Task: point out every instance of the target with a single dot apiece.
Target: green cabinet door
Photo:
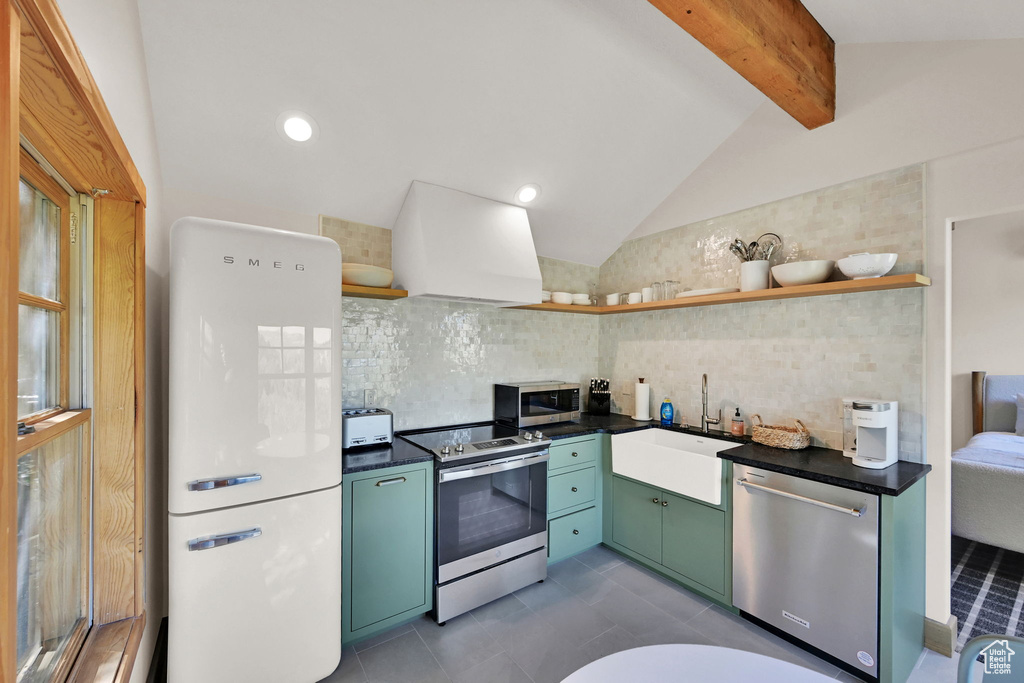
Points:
(388, 547)
(636, 517)
(694, 538)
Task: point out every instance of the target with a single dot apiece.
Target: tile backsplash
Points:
(566, 276)
(435, 362)
(880, 213)
(360, 243)
(785, 360)
(794, 358)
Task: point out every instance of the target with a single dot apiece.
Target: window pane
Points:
(38, 359)
(50, 551)
(39, 263)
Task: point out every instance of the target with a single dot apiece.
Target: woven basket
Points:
(793, 438)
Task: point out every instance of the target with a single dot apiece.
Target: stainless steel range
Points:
(490, 507)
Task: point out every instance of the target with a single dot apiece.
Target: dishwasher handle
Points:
(854, 512)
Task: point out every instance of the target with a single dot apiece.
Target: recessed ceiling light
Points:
(297, 126)
(527, 193)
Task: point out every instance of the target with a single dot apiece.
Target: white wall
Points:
(109, 36)
(987, 308)
(897, 104)
(969, 185)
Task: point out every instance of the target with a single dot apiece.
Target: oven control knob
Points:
(445, 450)
(459, 448)
(538, 435)
(528, 436)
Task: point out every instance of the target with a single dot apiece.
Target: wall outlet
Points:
(369, 398)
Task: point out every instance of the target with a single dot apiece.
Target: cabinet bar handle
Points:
(803, 499)
(389, 482)
(221, 482)
(208, 542)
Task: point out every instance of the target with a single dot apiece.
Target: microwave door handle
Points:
(482, 470)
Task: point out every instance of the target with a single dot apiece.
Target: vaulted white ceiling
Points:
(606, 104)
(897, 21)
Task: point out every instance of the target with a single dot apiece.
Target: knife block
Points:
(599, 403)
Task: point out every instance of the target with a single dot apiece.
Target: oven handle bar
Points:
(481, 469)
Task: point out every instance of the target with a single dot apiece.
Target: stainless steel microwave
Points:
(528, 404)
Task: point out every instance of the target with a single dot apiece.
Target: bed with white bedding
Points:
(988, 473)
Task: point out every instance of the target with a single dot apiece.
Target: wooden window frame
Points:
(34, 175)
(47, 431)
(49, 97)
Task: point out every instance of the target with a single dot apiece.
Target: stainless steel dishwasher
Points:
(805, 560)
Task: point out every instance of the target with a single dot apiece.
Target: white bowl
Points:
(862, 266)
(581, 296)
(581, 303)
(561, 298)
(611, 299)
(366, 275)
(545, 296)
(803, 272)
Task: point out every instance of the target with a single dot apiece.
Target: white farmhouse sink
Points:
(680, 463)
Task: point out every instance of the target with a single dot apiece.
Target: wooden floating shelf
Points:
(824, 289)
(373, 292)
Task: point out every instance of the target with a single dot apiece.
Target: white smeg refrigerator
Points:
(254, 472)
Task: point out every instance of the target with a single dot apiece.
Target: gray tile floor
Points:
(591, 606)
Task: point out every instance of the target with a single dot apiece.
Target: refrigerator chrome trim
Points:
(486, 558)
(855, 512)
(210, 542)
(491, 467)
(222, 482)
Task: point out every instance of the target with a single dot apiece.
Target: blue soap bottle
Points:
(666, 412)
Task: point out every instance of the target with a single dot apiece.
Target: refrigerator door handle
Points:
(221, 482)
(208, 542)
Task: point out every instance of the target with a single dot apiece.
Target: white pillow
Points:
(1020, 414)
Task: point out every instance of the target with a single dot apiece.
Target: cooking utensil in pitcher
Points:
(740, 253)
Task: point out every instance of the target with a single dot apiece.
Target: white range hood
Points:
(451, 245)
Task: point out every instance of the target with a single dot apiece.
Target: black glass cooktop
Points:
(483, 434)
(476, 441)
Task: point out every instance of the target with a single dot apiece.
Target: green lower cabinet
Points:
(693, 541)
(636, 517)
(571, 489)
(575, 494)
(685, 540)
(387, 549)
(573, 533)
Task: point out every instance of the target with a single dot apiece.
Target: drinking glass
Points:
(659, 291)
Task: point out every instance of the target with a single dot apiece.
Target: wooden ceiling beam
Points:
(775, 44)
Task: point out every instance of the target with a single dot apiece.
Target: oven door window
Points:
(485, 512)
(544, 403)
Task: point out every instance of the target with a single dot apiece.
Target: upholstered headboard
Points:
(995, 401)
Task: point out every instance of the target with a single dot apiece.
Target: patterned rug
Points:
(987, 593)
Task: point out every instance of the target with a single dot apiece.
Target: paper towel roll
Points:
(643, 402)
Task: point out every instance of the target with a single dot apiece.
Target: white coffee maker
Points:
(877, 424)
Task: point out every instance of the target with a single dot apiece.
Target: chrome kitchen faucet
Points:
(704, 419)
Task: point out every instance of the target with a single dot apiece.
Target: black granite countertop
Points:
(396, 454)
(620, 424)
(829, 467)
